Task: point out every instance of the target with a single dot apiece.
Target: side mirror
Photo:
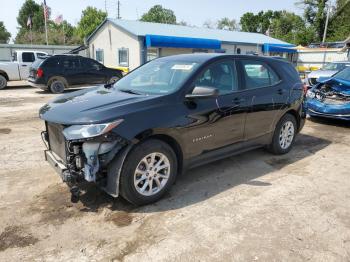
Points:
(203, 92)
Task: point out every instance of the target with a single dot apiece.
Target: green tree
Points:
(158, 14)
(315, 13)
(4, 34)
(36, 11)
(90, 19)
(339, 24)
(249, 22)
(291, 28)
(227, 24)
(258, 23)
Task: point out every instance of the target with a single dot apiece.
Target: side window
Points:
(99, 55)
(91, 64)
(39, 55)
(222, 76)
(51, 62)
(258, 74)
(71, 63)
(123, 56)
(28, 57)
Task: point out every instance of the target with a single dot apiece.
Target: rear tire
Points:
(284, 135)
(57, 86)
(148, 172)
(3, 82)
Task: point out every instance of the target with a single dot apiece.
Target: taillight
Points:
(39, 73)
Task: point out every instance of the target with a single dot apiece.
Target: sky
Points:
(194, 12)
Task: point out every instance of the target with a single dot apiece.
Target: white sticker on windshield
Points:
(182, 67)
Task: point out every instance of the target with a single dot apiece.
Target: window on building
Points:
(258, 74)
(28, 57)
(99, 55)
(123, 56)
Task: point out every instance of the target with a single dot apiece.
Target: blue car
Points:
(330, 97)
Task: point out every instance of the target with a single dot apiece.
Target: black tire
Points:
(275, 147)
(128, 189)
(57, 86)
(3, 82)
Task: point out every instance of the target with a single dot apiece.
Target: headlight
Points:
(86, 131)
(310, 94)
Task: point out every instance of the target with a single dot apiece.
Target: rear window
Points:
(37, 63)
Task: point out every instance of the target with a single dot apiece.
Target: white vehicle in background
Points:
(18, 68)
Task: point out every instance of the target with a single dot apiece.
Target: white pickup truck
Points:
(18, 68)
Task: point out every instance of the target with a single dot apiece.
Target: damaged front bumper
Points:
(98, 160)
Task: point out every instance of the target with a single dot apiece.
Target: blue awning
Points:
(279, 48)
(181, 42)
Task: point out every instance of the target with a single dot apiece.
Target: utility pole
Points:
(326, 25)
(118, 14)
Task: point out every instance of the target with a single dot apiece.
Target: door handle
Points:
(280, 91)
(24, 65)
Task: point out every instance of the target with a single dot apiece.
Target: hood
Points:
(339, 85)
(94, 105)
(322, 73)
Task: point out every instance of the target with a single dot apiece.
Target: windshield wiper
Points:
(129, 91)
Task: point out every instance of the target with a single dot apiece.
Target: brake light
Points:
(39, 73)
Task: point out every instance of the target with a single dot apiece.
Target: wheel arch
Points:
(167, 138)
(4, 74)
(295, 114)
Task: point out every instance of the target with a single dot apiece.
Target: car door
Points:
(27, 59)
(216, 122)
(73, 72)
(94, 71)
(265, 95)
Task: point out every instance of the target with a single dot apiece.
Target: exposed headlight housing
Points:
(310, 94)
(86, 131)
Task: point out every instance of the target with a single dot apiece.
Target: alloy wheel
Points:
(152, 174)
(286, 134)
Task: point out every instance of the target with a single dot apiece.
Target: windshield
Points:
(333, 66)
(345, 74)
(157, 77)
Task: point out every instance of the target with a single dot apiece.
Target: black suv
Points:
(171, 114)
(58, 72)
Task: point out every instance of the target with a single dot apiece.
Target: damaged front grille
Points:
(57, 142)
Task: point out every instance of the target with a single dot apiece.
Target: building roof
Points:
(139, 28)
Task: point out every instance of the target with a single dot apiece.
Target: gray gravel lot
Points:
(251, 207)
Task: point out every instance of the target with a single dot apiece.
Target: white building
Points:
(125, 43)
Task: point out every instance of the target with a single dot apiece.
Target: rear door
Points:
(73, 71)
(265, 95)
(27, 59)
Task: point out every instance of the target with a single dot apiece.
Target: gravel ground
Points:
(251, 207)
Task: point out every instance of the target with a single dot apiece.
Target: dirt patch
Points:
(13, 236)
(121, 218)
(5, 131)
(55, 206)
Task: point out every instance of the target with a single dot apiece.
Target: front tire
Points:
(148, 172)
(284, 135)
(3, 82)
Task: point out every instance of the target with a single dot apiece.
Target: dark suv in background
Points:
(169, 115)
(58, 72)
